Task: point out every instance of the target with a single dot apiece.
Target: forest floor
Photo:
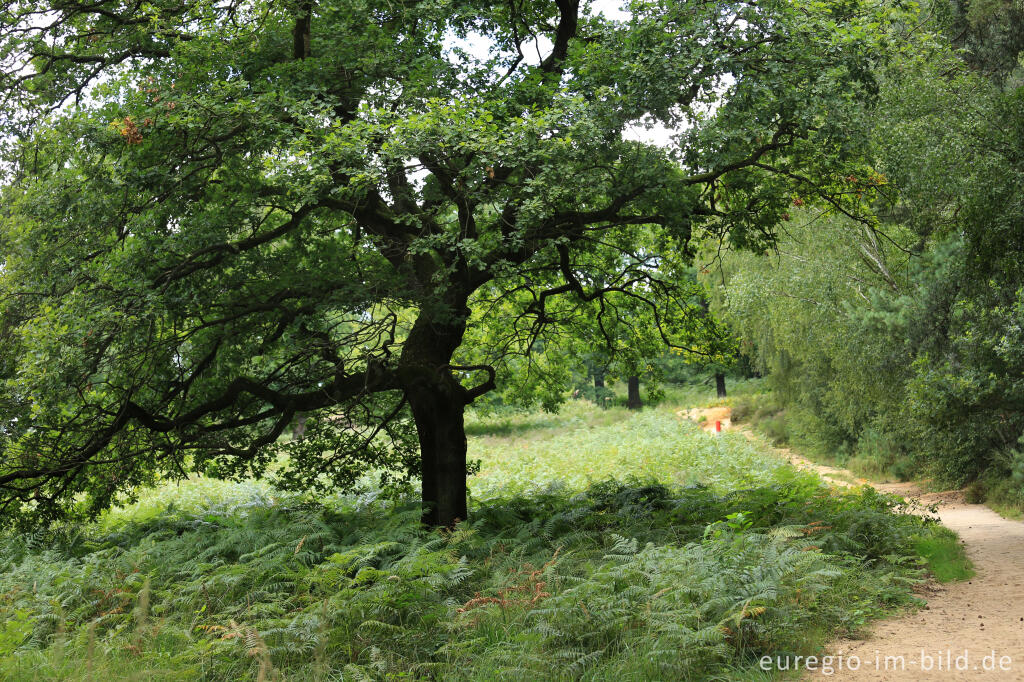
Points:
(968, 630)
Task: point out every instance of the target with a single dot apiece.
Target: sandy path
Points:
(971, 630)
(982, 618)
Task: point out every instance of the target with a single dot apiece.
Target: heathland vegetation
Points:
(602, 545)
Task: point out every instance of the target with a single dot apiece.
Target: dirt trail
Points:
(967, 628)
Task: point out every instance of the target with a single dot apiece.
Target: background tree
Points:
(220, 216)
(891, 333)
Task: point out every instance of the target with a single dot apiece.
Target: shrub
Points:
(742, 410)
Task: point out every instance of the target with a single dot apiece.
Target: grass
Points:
(944, 555)
(652, 444)
(706, 394)
(603, 545)
(520, 424)
(1001, 490)
(875, 457)
(1008, 510)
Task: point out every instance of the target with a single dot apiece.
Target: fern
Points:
(619, 580)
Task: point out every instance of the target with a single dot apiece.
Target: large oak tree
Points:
(221, 215)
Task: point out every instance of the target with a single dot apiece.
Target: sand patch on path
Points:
(706, 417)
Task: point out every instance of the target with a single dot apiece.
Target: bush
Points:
(774, 427)
(1002, 485)
(742, 410)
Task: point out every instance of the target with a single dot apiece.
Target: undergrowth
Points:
(873, 454)
(878, 455)
(633, 571)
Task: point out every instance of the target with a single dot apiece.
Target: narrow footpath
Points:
(969, 630)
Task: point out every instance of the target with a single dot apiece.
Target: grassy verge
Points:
(629, 547)
(873, 457)
(1002, 489)
(944, 555)
(1001, 486)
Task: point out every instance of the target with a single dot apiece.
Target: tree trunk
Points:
(438, 402)
(439, 415)
(601, 395)
(720, 384)
(299, 429)
(633, 401)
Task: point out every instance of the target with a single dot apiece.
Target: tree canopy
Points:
(217, 216)
(897, 338)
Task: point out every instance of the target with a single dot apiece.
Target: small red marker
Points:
(718, 426)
